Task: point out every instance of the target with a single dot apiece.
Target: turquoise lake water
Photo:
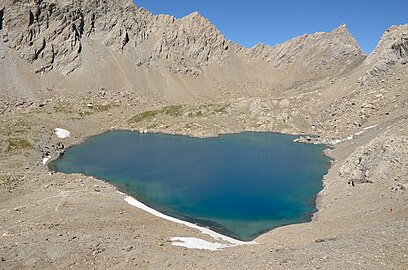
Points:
(240, 185)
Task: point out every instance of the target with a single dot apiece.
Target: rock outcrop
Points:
(49, 35)
(192, 37)
(380, 159)
(326, 53)
(392, 50)
(136, 48)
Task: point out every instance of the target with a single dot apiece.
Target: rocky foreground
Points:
(91, 66)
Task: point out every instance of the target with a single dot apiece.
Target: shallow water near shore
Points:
(240, 185)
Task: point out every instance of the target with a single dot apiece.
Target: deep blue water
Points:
(240, 185)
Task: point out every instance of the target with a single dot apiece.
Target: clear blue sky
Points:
(272, 22)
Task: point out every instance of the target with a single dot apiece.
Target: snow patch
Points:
(45, 160)
(62, 133)
(217, 236)
(351, 137)
(196, 243)
(359, 133)
(370, 127)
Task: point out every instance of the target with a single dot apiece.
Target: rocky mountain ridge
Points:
(50, 36)
(316, 50)
(391, 50)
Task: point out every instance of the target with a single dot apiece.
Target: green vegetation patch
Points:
(179, 110)
(18, 144)
(208, 110)
(102, 107)
(196, 114)
(97, 108)
(221, 109)
(173, 111)
(63, 107)
(143, 116)
(12, 127)
(85, 113)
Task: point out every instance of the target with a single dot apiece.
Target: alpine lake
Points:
(239, 185)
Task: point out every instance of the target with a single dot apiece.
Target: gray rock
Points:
(391, 50)
(341, 52)
(128, 248)
(50, 35)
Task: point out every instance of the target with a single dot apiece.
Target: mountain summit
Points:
(67, 36)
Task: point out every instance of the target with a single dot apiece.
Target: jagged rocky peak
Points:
(48, 33)
(342, 29)
(163, 19)
(196, 24)
(191, 38)
(328, 52)
(196, 19)
(393, 42)
(392, 50)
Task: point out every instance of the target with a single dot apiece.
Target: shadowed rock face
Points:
(49, 34)
(44, 35)
(1, 19)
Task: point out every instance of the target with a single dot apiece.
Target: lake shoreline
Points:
(347, 217)
(252, 133)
